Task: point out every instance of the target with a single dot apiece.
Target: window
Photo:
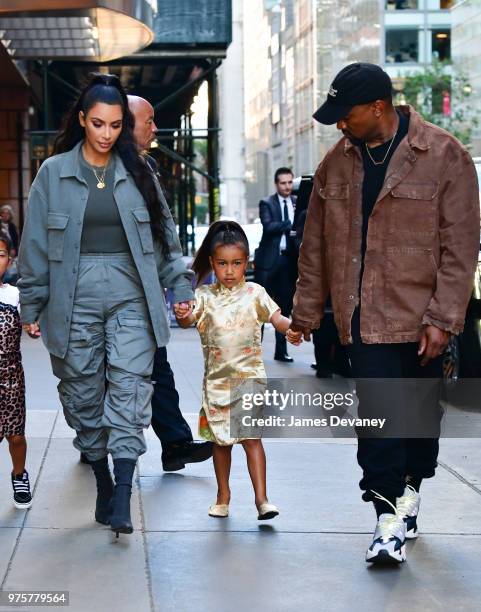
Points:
(441, 43)
(401, 46)
(395, 5)
(289, 8)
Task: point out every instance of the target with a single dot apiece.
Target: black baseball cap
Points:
(358, 83)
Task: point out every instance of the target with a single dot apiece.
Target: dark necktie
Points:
(286, 218)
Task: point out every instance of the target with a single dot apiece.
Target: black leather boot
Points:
(120, 521)
(105, 490)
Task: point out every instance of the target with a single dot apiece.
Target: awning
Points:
(93, 30)
(11, 76)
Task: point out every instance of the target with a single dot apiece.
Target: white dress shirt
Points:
(290, 210)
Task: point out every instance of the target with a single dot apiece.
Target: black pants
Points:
(280, 286)
(329, 354)
(386, 461)
(167, 420)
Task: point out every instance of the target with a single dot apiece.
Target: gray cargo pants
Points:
(105, 377)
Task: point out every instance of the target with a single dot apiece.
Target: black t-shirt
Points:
(374, 175)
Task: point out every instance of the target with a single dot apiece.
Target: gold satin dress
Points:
(229, 323)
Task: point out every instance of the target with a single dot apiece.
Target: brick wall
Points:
(13, 109)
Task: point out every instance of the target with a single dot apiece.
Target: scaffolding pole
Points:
(213, 147)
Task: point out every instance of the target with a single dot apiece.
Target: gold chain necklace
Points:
(379, 163)
(101, 177)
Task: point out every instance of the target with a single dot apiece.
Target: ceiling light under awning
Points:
(94, 34)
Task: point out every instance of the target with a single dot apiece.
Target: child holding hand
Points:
(12, 382)
(229, 316)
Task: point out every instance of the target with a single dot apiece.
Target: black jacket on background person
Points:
(268, 252)
(274, 270)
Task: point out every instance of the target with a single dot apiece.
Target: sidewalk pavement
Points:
(179, 559)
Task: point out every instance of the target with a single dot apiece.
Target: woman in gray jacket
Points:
(98, 248)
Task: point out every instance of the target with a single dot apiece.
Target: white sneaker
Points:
(408, 507)
(388, 543)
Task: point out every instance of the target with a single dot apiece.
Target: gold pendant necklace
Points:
(101, 177)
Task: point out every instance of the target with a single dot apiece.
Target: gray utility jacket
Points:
(50, 249)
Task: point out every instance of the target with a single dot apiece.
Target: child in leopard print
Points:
(12, 382)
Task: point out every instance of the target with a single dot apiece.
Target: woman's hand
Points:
(32, 329)
(183, 309)
(183, 313)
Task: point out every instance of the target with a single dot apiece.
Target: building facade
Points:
(416, 33)
(466, 51)
(231, 118)
(33, 34)
(14, 123)
(292, 51)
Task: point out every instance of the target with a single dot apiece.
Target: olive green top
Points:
(103, 231)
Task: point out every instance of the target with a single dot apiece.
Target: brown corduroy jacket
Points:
(422, 242)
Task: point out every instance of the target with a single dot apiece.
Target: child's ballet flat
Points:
(267, 511)
(219, 510)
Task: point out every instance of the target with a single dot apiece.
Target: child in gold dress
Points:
(229, 315)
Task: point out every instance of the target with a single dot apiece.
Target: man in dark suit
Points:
(275, 259)
(178, 446)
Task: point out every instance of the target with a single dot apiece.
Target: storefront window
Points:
(394, 5)
(402, 46)
(441, 43)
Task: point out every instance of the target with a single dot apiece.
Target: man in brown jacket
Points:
(392, 235)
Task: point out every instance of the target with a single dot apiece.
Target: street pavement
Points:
(179, 559)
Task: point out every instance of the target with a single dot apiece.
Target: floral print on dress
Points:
(229, 322)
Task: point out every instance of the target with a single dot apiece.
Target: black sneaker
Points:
(22, 498)
(175, 456)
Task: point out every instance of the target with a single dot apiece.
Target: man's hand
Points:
(293, 337)
(183, 309)
(32, 329)
(433, 343)
(301, 331)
